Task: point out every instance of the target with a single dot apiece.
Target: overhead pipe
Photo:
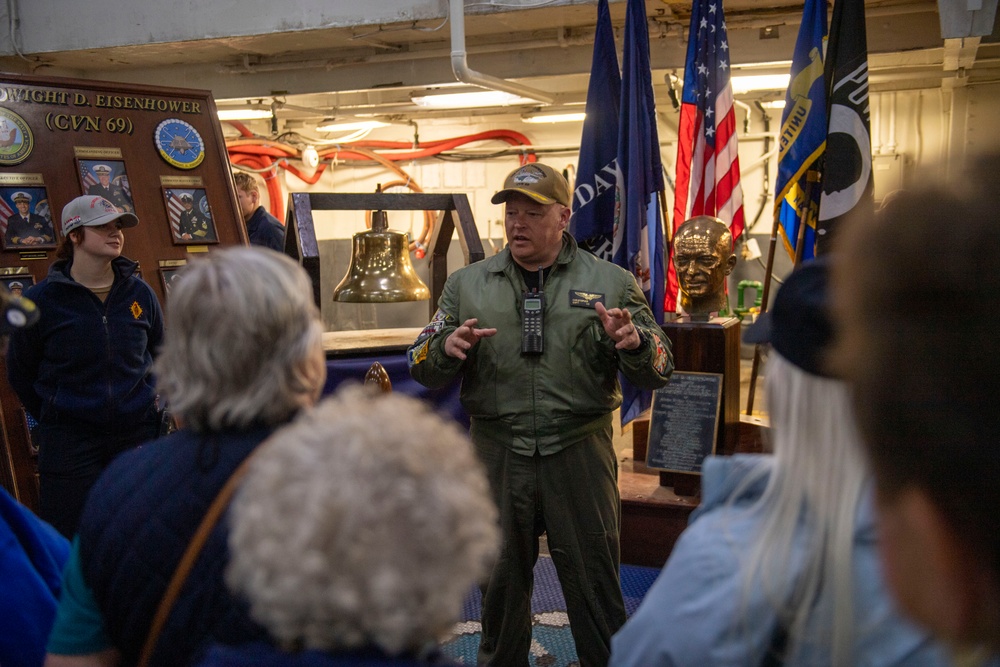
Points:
(463, 73)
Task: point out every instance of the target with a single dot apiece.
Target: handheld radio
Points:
(532, 308)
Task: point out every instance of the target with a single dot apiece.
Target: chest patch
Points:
(136, 310)
(583, 299)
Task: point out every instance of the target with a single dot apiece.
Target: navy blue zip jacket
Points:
(87, 361)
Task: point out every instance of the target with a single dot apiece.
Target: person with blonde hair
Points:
(779, 563)
(357, 533)
(243, 356)
(263, 229)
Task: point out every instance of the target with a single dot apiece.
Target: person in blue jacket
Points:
(242, 356)
(779, 564)
(32, 553)
(84, 372)
(263, 229)
(393, 525)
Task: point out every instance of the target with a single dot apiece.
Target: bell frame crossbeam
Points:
(456, 214)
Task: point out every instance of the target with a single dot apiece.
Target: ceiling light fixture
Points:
(244, 114)
(333, 125)
(483, 98)
(746, 83)
(555, 117)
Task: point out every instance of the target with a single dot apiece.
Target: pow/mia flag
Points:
(848, 185)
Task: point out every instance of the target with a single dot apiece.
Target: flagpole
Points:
(772, 245)
(813, 177)
(667, 227)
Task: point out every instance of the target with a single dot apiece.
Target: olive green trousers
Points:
(572, 496)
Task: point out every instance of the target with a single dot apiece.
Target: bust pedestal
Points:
(708, 347)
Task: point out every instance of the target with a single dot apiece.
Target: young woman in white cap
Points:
(84, 371)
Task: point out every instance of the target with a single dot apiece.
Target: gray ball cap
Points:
(91, 211)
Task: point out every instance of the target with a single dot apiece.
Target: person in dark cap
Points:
(84, 372)
(540, 390)
(779, 562)
(113, 192)
(26, 228)
(193, 226)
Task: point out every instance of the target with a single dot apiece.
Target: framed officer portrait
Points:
(106, 178)
(190, 216)
(169, 276)
(17, 284)
(25, 218)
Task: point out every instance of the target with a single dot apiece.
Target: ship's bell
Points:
(380, 270)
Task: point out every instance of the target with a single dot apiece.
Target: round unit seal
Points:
(16, 140)
(179, 143)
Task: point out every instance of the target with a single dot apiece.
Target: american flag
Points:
(708, 165)
(174, 209)
(87, 177)
(5, 212)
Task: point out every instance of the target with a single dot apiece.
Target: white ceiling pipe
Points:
(466, 75)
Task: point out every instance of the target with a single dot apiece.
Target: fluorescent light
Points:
(745, 83)
(774, 104)
(244, 114)
(483, 98)
(349, 126)
(748, 83)
(562, 117)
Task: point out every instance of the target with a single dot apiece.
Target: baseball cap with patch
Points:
(91, 211)
(536, 181)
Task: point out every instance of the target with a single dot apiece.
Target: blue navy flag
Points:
(803, 135)
(592, 224)
(848, 185)
(638, 231)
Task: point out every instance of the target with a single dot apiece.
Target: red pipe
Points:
(258, 152)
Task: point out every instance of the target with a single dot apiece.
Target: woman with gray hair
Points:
(357, 533)
(243, 355)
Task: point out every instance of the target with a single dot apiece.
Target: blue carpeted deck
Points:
(552, 644)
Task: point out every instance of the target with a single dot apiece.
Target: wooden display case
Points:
(62, 138)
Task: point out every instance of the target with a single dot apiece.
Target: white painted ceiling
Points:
(374, 66)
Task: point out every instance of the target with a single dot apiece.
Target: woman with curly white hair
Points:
(357, 533)
(242, 356)
(779, 565)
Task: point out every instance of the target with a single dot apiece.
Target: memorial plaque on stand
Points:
(708, 347)
(684, 422)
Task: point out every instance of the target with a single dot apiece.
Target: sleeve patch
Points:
(417, 353)
(659, 355)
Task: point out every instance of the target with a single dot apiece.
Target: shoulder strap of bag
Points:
(194, 547)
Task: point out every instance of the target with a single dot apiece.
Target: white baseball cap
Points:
(91, 211)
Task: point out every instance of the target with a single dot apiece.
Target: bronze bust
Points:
(703, 257)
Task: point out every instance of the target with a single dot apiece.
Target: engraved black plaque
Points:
(684, 422)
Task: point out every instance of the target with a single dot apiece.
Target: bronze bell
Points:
(380, 270)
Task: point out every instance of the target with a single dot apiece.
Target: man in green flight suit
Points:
(541, 408)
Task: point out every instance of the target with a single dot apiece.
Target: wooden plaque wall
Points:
(156, 146)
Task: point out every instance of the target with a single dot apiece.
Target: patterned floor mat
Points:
(551, 644)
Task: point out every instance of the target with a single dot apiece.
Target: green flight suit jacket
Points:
(547, 402)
